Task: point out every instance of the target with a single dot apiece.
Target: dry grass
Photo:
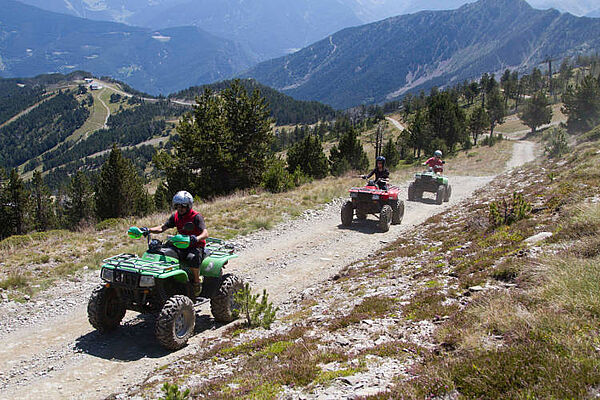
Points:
(481, 160)
(514, 124)
(537, 341)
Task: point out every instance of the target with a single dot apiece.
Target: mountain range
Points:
(269, 28)
(383, 60)
(34, 41)
(360, 64)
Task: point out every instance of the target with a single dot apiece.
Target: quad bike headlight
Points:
(375, 197)
(353, 194)
(146, 281)
(107, 274)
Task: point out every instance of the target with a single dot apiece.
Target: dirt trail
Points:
(105, 126)
(396, 123)
(27, 110)
(64, 358)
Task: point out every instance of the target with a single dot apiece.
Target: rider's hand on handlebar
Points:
(145, 231)
(193, 240)
(363, 176)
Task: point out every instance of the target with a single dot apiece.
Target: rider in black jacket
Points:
(382, 174)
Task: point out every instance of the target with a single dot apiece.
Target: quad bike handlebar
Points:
(180, 241)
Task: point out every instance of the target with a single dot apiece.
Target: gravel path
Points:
(52, 352)
(396, 123)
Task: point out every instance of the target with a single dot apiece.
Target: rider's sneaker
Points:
(197, 289)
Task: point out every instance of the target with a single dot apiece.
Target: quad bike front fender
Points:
(179, 275)
(212, 265)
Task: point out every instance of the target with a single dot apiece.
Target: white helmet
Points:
(184, 198)
(438, 153)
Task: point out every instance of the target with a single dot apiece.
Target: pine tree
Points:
(447, 119)
(537, 112)
(119, 191)
(308, 155)
(506, 85)
(496, 110)
(78, 204)
(419, 133)
(5, 223)
(162, 198)
(17, 198)
(348, 154)
(43, 211)
(582, 104)
(478, 122)
(391, 154)
(223, 145)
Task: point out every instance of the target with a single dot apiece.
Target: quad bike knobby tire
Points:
(385, 218)
(411, 192)
(223, 305)
(440, 195)
(397, 212)
(105, 310)
(347, 213)
(175, 323)
(448, 193)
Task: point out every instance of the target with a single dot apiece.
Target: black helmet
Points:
(380, 158)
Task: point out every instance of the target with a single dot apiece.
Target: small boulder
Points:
(476, 288)
(538, 237)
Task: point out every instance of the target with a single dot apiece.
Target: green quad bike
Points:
(432, 182)
(160, 283)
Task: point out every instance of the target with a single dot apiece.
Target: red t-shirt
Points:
(436, 163)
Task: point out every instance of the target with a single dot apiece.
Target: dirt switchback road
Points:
(62, 357)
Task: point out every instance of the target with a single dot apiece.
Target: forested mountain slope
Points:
(284, 109)
(34, 41)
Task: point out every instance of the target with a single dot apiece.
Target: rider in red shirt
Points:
(435, 162)
(188, 222)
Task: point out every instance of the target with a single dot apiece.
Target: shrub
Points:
(110, 223)
(557, 144)
(171, 392)
(492, 140)
(276, 178)
(257, 313)
(307, 156)
(507, 212)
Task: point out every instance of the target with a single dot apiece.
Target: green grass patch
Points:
(15, 281)
(328, 376)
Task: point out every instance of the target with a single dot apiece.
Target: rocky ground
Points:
(363, 329)
(52, 352)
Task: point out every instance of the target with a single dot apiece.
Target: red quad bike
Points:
(373, 200)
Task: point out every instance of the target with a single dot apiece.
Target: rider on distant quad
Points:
(382, 174)
(435, 163)
(188, 222)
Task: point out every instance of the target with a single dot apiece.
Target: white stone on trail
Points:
(476, 288)
(538, 238)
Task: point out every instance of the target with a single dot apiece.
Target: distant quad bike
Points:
(432, 182)
(370, 199)
(160, 283)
